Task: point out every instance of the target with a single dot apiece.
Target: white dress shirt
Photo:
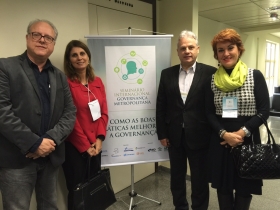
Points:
(185, 80)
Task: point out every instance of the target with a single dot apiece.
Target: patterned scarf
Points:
(226, 82)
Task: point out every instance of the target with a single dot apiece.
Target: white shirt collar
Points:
(193, 67)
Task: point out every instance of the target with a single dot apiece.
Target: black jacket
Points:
(172, 113)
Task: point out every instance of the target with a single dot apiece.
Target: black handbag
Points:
(95, 193)
(258, 161)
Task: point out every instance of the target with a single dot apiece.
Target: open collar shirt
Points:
(185, 80)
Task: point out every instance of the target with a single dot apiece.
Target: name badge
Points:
(230, 107)
(94, 109)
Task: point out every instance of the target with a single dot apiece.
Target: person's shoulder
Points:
(97, 81)
(10, 64)
(73, 83)
(57, 69)
(171, 68)
(12, 58)
(70, 81)
(59, 72)
(257, 73)
(203, 65)
(206, 67)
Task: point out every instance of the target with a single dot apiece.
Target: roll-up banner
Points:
(130, 67)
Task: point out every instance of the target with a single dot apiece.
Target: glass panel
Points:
(271, 87)
(273, 46)
(267, 83)
(268, 51)
(271, 66)
(271, 72)
(267, 69)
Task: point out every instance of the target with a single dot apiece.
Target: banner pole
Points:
(133, 193)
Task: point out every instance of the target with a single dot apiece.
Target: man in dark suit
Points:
(36, 115)
(182, 124)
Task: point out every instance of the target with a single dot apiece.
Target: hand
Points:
(91, 151)
(232, 139)
(46, 147)
(165, 142)
(32, 155)
(240, 132)
(95, 148)
(98, 146)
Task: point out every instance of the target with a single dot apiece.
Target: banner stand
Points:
(132, 192)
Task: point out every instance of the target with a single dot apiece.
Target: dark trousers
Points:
(74, 168)
(198, 168)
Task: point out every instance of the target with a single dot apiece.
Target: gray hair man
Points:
(182, 124)
(37, 114)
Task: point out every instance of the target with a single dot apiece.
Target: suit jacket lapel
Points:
(30, 74)
(195, 82)
(175, 82)
(53, 84)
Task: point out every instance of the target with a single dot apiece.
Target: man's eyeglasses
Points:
(37, 36)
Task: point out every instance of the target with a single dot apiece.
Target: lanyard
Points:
(89, 91)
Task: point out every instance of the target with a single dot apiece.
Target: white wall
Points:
(175, 16)
(70, 18)
(208, 29)
(116, 21)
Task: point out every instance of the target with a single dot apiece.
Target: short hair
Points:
(45, 21)
(227, 35)
(186, 33)
(69, 70)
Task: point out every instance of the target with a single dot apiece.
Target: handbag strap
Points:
(269, 134)
(88, 168)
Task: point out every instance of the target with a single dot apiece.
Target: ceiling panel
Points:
(242, 14)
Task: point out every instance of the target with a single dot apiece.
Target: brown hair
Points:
(68, 68)
(227, 35)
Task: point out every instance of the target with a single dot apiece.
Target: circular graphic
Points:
(117, 69)
(141, 71)
(139, 81)
(131, 68)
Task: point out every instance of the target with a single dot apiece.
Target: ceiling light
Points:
(274, 15)
(274, 8)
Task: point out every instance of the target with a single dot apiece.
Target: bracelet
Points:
(222, 133)
(246, 131)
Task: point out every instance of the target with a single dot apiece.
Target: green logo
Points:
(131, 68)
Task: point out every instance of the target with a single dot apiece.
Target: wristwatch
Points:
(246, 131)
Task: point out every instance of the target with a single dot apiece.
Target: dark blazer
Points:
(20, 112)
(172, 114)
